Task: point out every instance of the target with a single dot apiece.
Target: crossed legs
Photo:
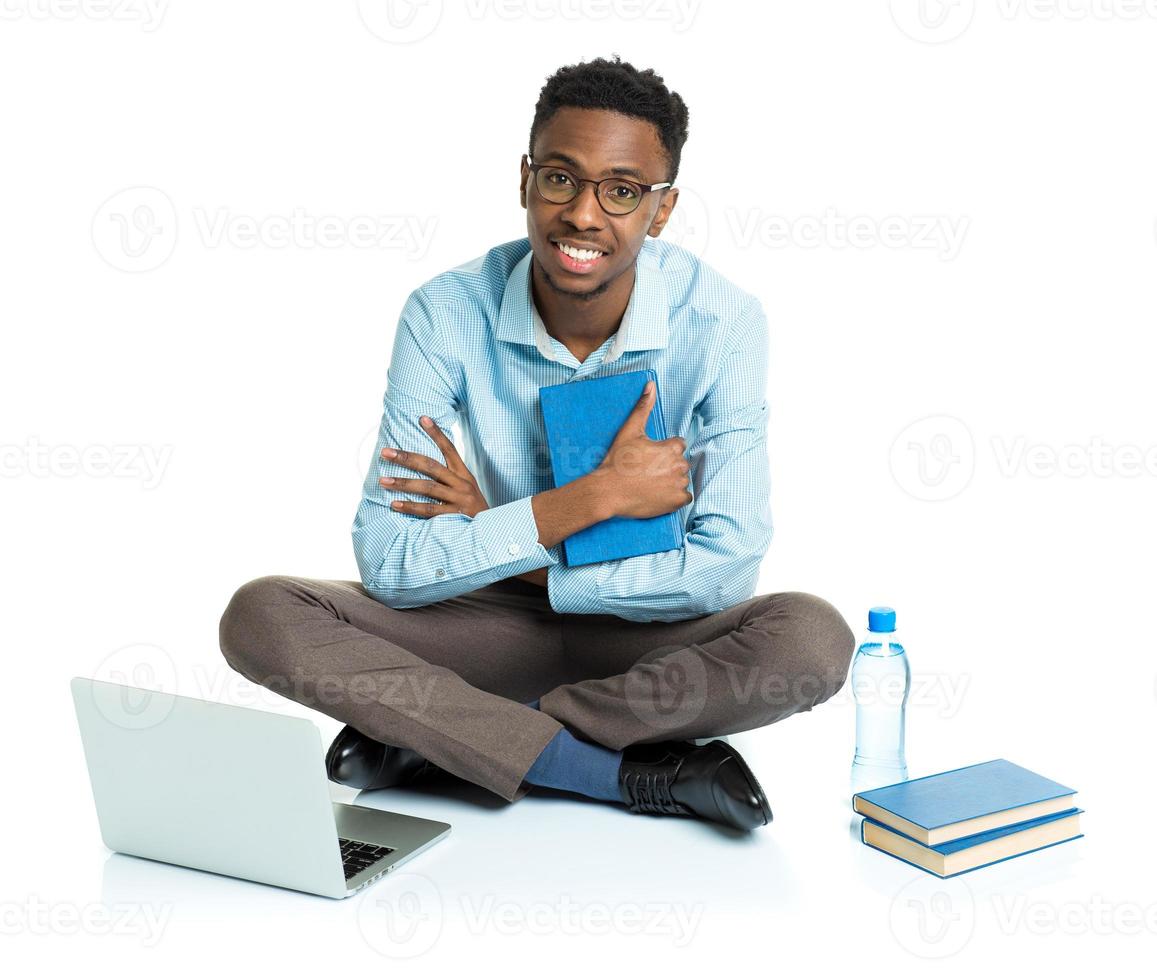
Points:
(448, 680)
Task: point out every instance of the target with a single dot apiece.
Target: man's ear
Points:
(670, 197)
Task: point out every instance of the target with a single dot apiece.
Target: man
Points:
(469, 647)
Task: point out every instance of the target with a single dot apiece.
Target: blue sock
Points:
(569, 763)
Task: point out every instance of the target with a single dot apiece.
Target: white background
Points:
(948, 212)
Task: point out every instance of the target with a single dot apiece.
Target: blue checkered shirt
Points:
(472, 350)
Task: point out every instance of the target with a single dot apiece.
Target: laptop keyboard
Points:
(357, 855)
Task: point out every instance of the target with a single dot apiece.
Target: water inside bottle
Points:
(880, 683)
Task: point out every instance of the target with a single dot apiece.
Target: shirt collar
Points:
(645, 324)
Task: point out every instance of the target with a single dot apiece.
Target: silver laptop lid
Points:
(237, 791)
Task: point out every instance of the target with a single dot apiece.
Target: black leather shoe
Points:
(681, 778)
(357, 760)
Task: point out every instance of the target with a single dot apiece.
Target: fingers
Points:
(423, 464)
(638, 417)
(427, 488)
(420, 508)
(445, 443)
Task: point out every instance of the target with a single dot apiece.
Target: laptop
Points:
(233, 790)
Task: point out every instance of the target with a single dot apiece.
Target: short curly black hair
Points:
(620, 87)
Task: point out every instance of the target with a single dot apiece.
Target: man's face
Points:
(590, 143)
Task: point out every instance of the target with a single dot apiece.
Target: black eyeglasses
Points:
(616, 195)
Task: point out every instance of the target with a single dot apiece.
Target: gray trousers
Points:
(448, 679)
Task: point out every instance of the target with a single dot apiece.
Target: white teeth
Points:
(582, 254)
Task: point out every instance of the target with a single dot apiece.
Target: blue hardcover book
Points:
(962, 802)
(979, 850)
(582, 419)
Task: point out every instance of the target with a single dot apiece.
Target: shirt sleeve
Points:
(406, 560)
(728, 523)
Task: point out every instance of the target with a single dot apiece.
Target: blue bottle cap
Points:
(881, 619)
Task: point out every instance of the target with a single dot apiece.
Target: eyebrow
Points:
(611, 172)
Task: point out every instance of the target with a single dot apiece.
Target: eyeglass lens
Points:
(558, 186)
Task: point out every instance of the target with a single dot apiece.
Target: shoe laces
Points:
(650, 791)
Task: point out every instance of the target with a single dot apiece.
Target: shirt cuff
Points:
(508, 533)
(575, 589)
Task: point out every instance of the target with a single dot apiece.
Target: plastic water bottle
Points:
(880, 683)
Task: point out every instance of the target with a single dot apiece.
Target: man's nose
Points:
(584, 211)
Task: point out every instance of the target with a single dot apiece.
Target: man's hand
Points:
(644, 477)
(453, 484)
(538, 577)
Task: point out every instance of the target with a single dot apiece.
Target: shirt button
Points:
(514, 549)
(440, 573)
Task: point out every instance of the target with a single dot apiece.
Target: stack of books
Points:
(968, 818)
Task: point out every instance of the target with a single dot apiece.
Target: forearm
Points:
(565, 511)
(408, 561)
(427, 561)
(568, 509)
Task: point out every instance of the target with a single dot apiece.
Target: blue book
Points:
(979, 850)
(582, 419)
(962, 802)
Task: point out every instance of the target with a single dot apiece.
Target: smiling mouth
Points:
(585, 261)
